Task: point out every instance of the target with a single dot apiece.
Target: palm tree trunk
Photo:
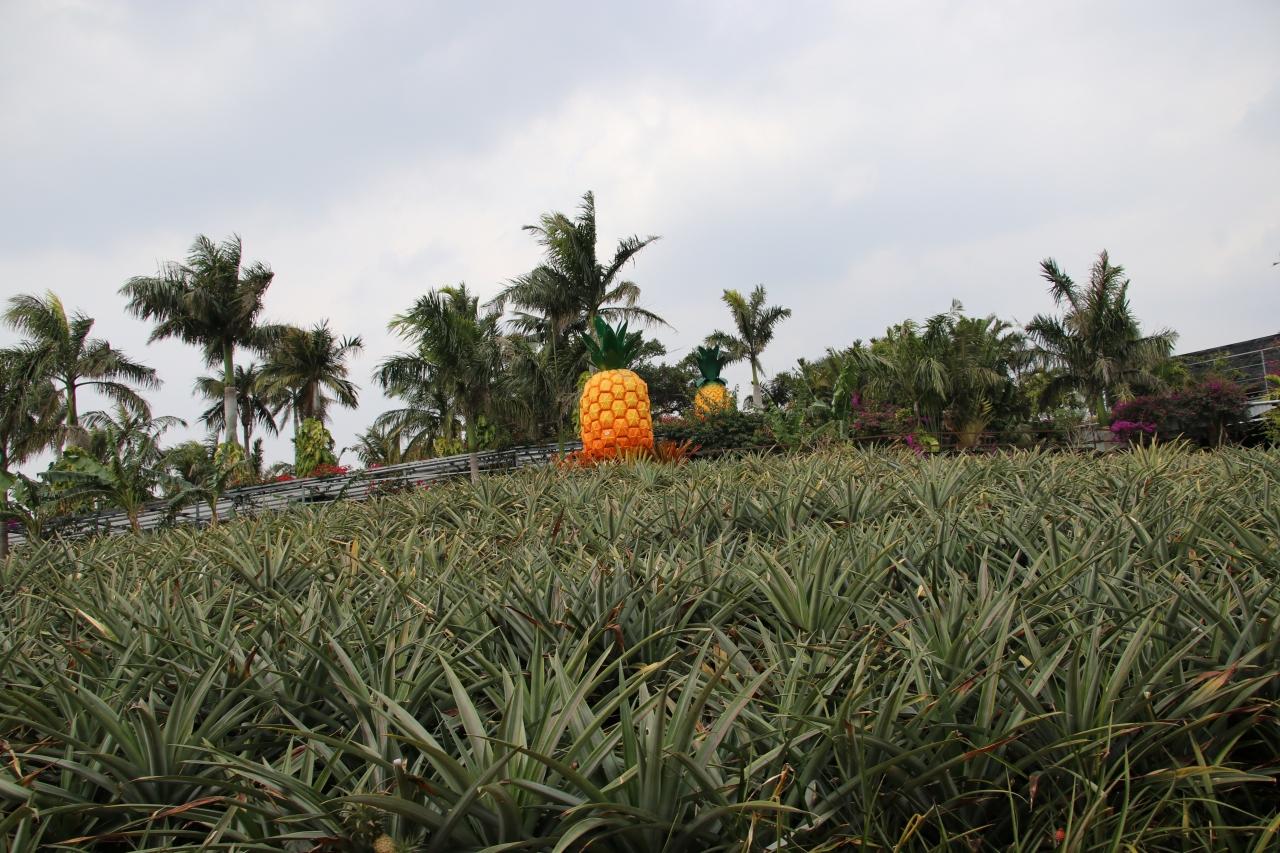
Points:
(72, 419)
(73, 416)
(229, 392)
(756, 399)
(4, 539)
(132, 512)
(473, 453)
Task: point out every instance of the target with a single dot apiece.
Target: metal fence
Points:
(270, 497)
(1249, 366)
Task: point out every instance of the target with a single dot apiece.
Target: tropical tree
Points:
(29, 412)
(459, 351)
(1096, 348)
(754, 323)
(212, 301)
(557, 302)
(255, 404)
(26, 502)
(540, 375)
(60, 349)
(428, 415)
(564, 294)
(986, 357)
(671, 385)
(378, 446)
(122, 463)
(950, 371)
(384, 444)
(308, 368)
(203, 471)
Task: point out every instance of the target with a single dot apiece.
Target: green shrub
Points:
(312, 446)
(726, 429)
(1271, 418)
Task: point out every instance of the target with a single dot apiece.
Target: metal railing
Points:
(270, 497)
(1253, 366)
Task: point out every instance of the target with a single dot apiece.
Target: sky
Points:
(865, 161)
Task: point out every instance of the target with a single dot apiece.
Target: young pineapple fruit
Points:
(711, 396)
(614, 408)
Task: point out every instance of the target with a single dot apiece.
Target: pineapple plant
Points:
(711, 396)
(614, 407)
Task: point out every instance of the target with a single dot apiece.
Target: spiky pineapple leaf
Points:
(612, 349)
(710, 361)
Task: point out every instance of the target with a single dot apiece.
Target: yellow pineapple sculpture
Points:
(614, 408)
(711, 396)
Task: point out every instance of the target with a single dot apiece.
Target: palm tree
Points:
(254, 403)
(304, 364)
(122, 463)
(61, 349)
(557, 303)
(986, 354)
(203, 471)
(1096, 348)
(212, 301)
(563, 295)
(428, 414)
(383, 444)
(29, 412)
(754, 322)
(459, 351)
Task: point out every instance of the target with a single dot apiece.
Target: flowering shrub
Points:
(1132, 430)
(282, 478)
(327, 469)
(1201, 413)
(922, 443)
(877, 420)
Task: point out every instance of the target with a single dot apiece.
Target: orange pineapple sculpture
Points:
(614, 408)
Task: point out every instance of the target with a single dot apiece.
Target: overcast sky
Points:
(865, 161)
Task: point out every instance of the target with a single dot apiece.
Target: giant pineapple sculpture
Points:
(614, 408)
(711, 396)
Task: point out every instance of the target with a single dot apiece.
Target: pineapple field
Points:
(852, 649)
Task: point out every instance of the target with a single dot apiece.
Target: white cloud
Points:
(864, 162)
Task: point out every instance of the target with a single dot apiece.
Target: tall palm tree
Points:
(304, 364)
(1096, 349)
(557, 302)
(458, 350)
(212, 301)
(754, 323)
(565, 293)
(29, 412)
(60, 348)
(254, 403)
